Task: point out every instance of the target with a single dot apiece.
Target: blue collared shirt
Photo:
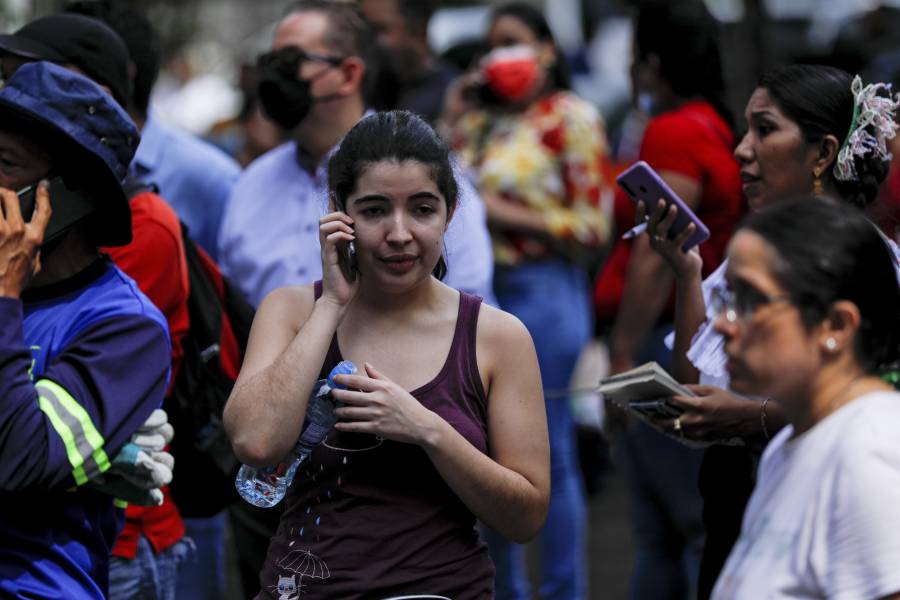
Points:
(270, 232)
(194, 177)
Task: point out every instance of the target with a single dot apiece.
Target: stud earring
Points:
(831, 344)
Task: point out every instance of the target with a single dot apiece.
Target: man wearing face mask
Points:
(314, 84)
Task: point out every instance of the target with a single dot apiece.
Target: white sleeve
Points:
(469, 255)
(861, 553)
(707, 352)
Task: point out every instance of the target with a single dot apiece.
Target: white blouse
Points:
(823, 519)
(707, 351)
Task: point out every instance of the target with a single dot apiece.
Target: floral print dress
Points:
(552, 158)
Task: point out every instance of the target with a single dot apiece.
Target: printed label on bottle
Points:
(314, 434)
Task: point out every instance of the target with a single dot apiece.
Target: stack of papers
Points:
(646, 382)
(644, 391)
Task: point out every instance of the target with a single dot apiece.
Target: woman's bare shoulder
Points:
(500, 331)
(289, 304)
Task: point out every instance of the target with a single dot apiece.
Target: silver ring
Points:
(677, 426)
(659, 239)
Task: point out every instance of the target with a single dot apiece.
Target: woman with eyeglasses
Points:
(809, 129)
(809, 319)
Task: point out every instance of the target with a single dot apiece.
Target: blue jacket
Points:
(83, 363)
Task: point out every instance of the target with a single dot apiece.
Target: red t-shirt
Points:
(694, 141)
(155, 259)
(885, 211)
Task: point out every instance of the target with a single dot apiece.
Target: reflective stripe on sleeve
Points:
(84, 444)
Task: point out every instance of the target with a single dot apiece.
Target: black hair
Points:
(827, 252)
(685, 39)
(139, 36)
(464, 54)
(348, 33)
(396, 136)
(819, 100)
(417, 14)
(531, 17)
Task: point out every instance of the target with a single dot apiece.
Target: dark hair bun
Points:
(871, 167)
(871, 171)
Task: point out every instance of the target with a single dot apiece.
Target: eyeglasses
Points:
(288, 59)
(739, 307)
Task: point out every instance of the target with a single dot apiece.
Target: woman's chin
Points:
(740, 381)
(394, 282)
(756, 201)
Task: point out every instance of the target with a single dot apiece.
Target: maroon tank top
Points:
(372, 518)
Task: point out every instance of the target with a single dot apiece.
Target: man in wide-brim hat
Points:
(84, 355)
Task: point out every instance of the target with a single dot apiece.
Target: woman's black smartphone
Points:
(347, 260)
(70, 206)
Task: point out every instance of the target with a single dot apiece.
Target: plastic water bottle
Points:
(265, 487)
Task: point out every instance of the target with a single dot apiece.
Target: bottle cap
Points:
(345, 367)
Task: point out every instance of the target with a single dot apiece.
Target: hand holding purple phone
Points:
(643, 185)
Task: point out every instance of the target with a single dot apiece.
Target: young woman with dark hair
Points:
(810, 128)
(386, 505)
(809, 318)
(536, 152)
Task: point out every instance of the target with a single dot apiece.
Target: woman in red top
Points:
(677, 79)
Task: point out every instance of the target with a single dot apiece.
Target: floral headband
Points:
(868, 109)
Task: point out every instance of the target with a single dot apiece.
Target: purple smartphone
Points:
(642, 183)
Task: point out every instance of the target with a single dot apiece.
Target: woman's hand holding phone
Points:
(20, 241)
(659, 222)
(335, 232)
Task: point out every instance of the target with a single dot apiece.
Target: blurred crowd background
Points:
(210, 47)
(208, 88)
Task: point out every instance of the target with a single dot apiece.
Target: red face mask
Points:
(511, 73)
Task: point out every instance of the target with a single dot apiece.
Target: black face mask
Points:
(285, 97)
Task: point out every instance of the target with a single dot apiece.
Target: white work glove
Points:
(142, 466)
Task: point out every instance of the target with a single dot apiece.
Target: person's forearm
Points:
(264, 415)
(28, 458)
(763, 420)
(690, 312)
(507, 216)
(647, 287)
(502, 498)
